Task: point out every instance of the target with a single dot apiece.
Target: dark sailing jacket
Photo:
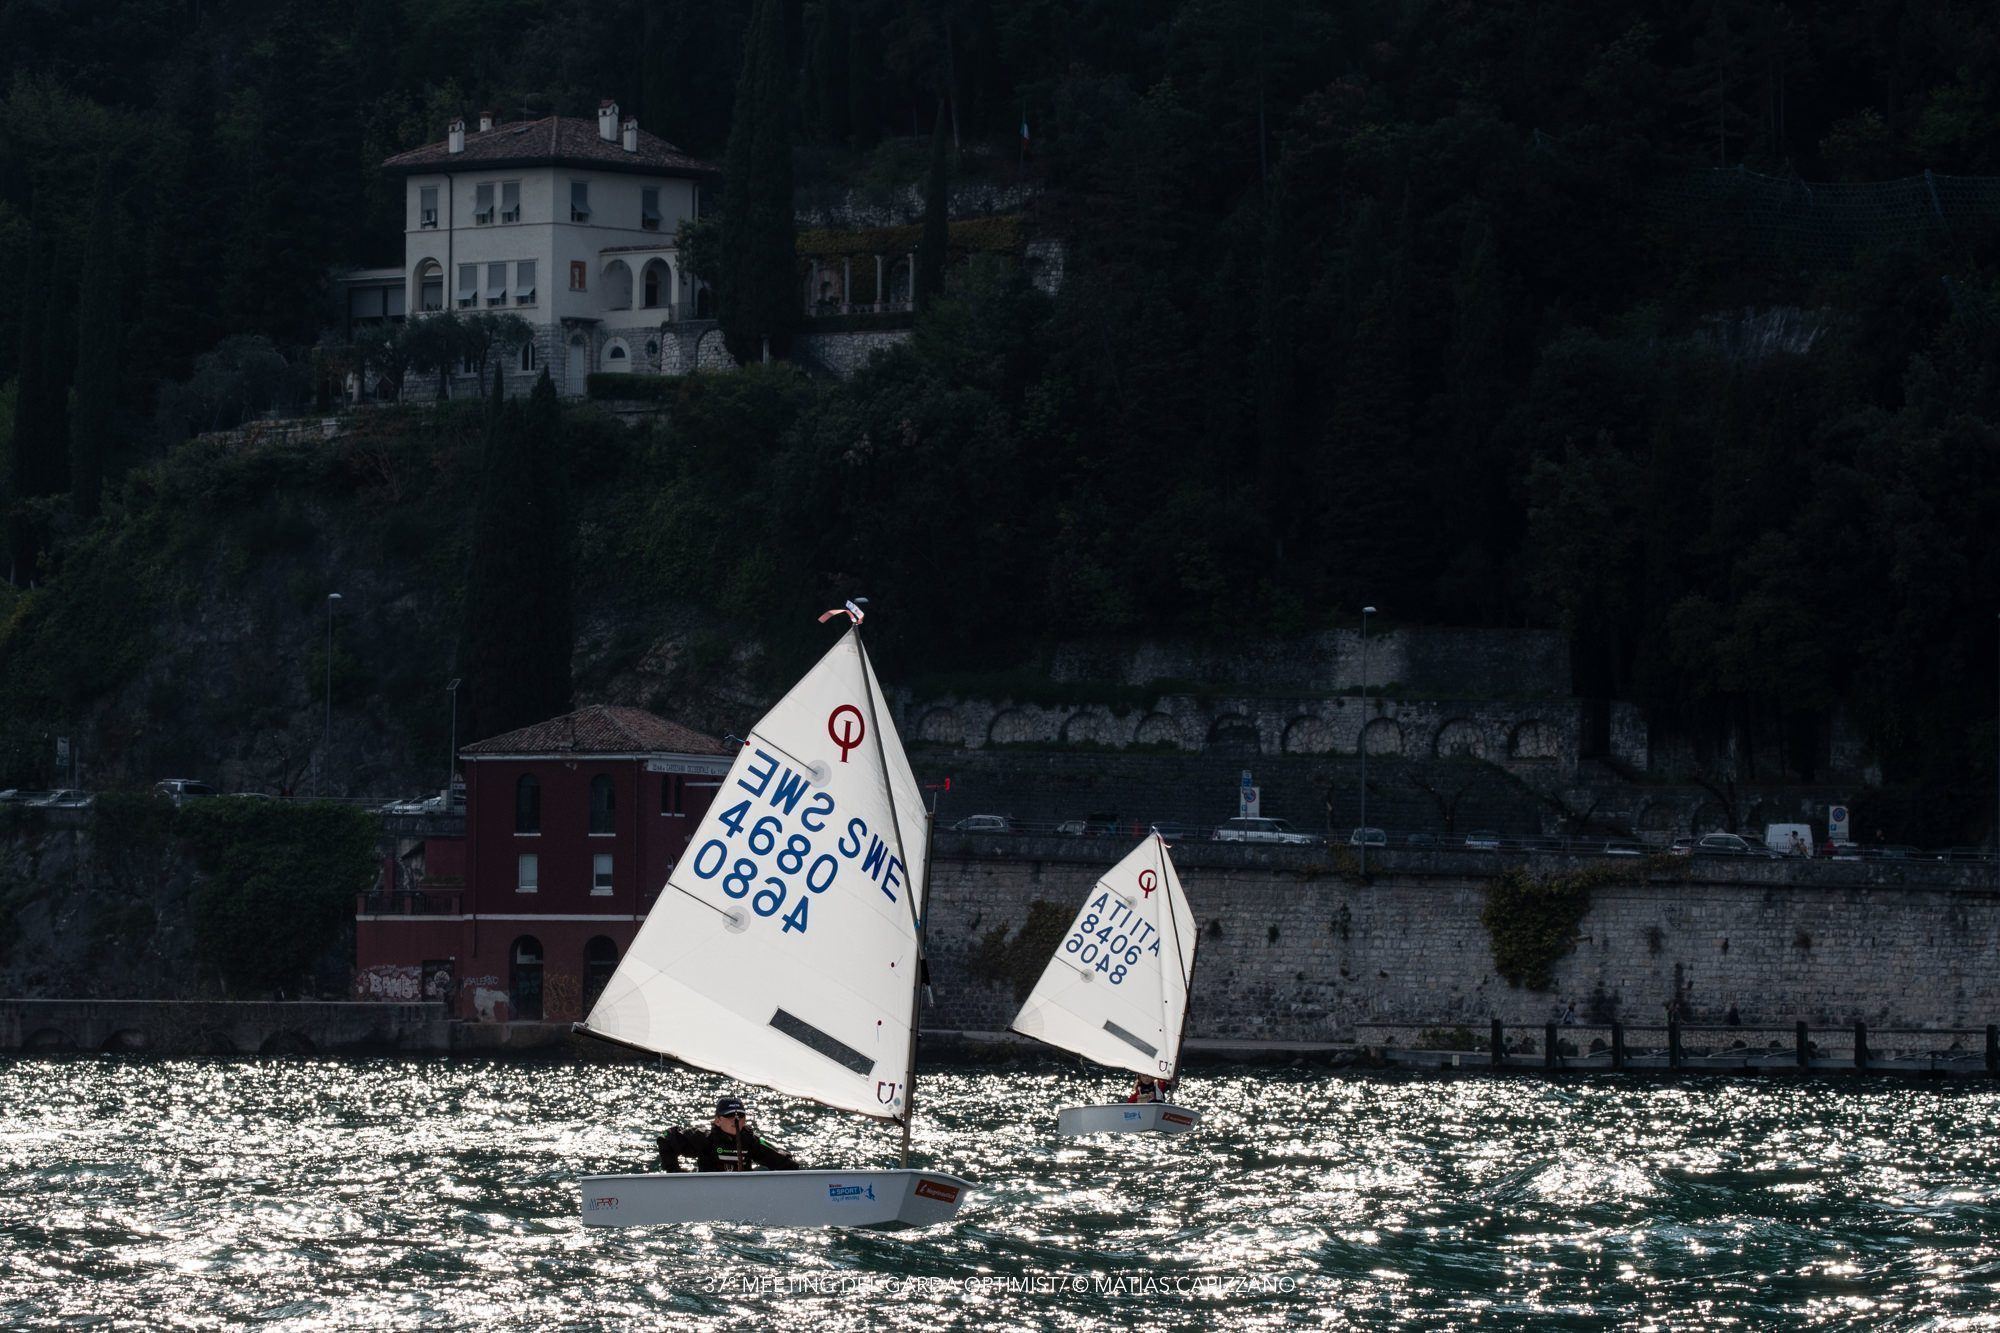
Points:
(715, 1150)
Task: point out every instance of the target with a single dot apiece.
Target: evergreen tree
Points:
(759, 289)
(933, 244)
(98, 365)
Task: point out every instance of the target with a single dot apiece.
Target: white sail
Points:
(783, 949)
(1116, 990)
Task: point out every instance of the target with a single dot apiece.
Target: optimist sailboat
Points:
(786, 951)
(1116, 991)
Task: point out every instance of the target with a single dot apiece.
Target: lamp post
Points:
(326, 735)
(1361, 742)
(451, 764)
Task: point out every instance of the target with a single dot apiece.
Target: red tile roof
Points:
(602, 729)
(553, 141)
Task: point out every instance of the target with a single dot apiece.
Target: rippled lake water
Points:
(405, 1193)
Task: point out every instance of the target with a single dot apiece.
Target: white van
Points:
(1778, 837)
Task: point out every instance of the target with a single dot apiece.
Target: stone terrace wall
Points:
(1293, 952)
(1468, 663)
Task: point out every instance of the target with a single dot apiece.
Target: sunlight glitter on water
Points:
(309, 1194)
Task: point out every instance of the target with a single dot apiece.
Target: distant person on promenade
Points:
(731, 1143)
(1149, 1090)
(1569, 1016)
(1798, 845)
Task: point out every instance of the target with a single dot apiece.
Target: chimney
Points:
(454, 139)
(486, 122)
(631, 134)
(607, 121)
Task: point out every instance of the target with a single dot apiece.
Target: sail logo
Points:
(604, 1201)
(850, 1193)
(888, 1093)
(937, 1189)
(845, 728)
(1148, 881)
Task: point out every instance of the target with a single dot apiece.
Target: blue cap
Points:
(729, 1106)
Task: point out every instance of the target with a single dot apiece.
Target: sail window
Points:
(833, 1048)
(1126, 1037)
(528, 804)
(603, 805)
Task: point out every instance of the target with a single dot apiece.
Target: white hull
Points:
(1127, 1118)
(774, 1198)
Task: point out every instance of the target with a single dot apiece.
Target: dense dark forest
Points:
(1612, 316)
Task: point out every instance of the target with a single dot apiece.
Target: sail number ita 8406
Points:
(1109, 937)
(785, 843)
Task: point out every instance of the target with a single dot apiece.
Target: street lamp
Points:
(451, 766)
(326, 735)
(1362, 742)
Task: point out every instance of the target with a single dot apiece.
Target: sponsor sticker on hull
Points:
(1173, 1119)
(850, 1193)
(603, 1201)
(936, 1189)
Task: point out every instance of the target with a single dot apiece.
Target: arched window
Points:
(617, 285)
(603, 805)
(617, 356)
(600, 960)
(528, 362)
(524, 984)
(653, 284)
(430, 285)
(528, 804)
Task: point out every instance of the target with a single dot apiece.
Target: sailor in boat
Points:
(732, 1143)
(1149, 1090)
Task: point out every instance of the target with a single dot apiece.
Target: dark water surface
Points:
(432, 1193)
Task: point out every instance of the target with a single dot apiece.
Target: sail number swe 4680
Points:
(762, 839)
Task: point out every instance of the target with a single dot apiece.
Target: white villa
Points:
(567, 224)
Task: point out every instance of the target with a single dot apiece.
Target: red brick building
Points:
(571, 826)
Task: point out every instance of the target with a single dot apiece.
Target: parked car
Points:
(1253, 828)
(1681, 847)
(413, 805)
(1173, 831)
(1946, 854)
(1072, 828)
(21, 796)
(66, 798)
(1722, 844)
(1789, 839)
(1624, 849)
(984, 824)
(180, 790)
(1372, 837)
(1482, 840)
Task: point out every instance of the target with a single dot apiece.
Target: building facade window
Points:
(600, 960)
(600, 875)
(579, 201)
(603, 805)
(617, 356)
(528, 873)
(649, 208)
(468, 286)
(496, 284)
(427, 206)
(482, 204)
(529, 357)
(578, 270)
(524, 282)
(510, 201)
(430, 285)
(653, 283)
(524, 985)
(528, 804)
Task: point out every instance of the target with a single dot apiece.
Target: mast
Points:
(1194, 947)
(916, 918)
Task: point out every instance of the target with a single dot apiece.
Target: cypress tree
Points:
(516, 636)
(931, 246)
(97, 360)
(759, 291)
